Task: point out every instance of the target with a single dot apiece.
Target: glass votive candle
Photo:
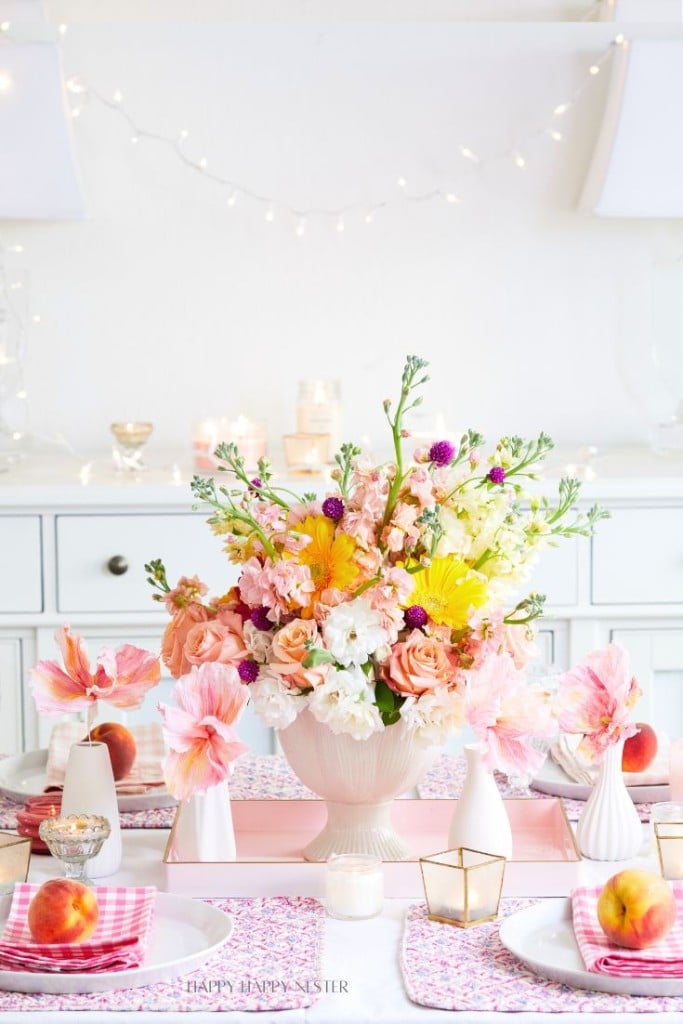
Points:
(306, 453)
(131, 438)
(74, 840)
(354, 889)
(15, 854)
(667, 826)
(462, 887)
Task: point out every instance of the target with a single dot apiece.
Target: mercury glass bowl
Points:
(75, 839)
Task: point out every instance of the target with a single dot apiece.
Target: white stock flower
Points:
(257, 642)
(275, 704)
(353, 631)
(345, 704)
(435, 715)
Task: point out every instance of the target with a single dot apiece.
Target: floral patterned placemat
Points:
(469, 969)
(445, 781)
(272, 961)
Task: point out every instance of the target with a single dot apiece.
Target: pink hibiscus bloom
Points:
(199, 728)
(596, 699)
(121, 677)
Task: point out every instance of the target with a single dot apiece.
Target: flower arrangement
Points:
(120, 677)
(384, 600)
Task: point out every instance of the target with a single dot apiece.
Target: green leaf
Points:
(388, 703)
(317, 657)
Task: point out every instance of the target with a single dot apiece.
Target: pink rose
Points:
(520, 642)
(289, 651)
(175, 635)
(419, 664)
(219, 640)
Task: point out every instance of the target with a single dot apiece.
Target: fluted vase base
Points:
(358, 828)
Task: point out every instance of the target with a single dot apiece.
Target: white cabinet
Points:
(17, 653)
(657, 663)
(638, 557)
(21, 576)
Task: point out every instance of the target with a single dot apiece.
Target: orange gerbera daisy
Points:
(328, 557)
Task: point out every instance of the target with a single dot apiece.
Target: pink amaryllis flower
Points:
(121, 677)
(507, 713)
(596, 700)
(198, 729)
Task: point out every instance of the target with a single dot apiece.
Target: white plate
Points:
(185, 934)
(542, 937)
(24, 775)
(552, 779)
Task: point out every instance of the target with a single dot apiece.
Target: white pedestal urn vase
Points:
(359, 780)
(89, 788)
(480, 820)
(203, 829)
(609, 827)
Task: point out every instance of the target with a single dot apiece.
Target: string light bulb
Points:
(594, 69)
(202, 163)
(231, 200)
(401, 182)
(519, 160)
(134, 140)
(555, 135)
(36, 318)
(75, 84)
(5, 26)
(340, 225)
(369, 217)
(23, 393)
(270, 214)
(6, 82)
(62, 29)
(117, 96)
(183, 134)
(560, 109)
(300, 229)
(76, 111)
(451, 197)
(469, 155)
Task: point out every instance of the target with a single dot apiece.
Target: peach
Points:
(640, 750)
(120, 743)
(636, 908)
(63, 910)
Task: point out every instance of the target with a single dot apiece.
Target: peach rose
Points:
(217, 640)
(175, 635)
(289, 650)
(520, 642)
(419, 664)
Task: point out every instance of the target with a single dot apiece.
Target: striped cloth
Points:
(664, 960)
(119, 942)
(146, 770)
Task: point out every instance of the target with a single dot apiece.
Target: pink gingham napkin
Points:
(665, 960)
(146, 770)
(119, 941)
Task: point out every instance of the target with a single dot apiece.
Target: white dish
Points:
(552, 780)
(542, 937)
(24, 775)
(185, 934)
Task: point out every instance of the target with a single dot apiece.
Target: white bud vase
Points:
(203, 829)
(89, 789)
(609, 827)
(480, 820)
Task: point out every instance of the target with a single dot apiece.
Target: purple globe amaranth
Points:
(248, 670)
(441, 453)
(415, 617)
(496, 475)
(256, 483)
(259, 617)
(333, 508)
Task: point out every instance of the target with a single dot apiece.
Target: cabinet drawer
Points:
(638, 557)
(20, 564)
(556, 575)
(87, 544)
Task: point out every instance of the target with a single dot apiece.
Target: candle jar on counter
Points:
(306, 453)
(318, 410)
(354, 888)
(249, 436)
(131, 438)
(667, 829)
(15, 854)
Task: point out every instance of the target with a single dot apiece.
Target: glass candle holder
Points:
(667, 826)
(74, 840)
(318, 409)
(462, 887)
(354, 889)
(306, 453)
(15, 854)
(676, 770)
(131, 438)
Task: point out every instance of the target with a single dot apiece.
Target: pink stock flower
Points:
(121, 677)
(596, 700)
(187, 590)
(199, 728)
(420, 487)
(506, 713)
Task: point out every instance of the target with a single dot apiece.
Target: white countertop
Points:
(57, 479)
(365, 954)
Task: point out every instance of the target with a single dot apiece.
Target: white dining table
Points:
(363, 954)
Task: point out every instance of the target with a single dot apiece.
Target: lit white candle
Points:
(355, 886)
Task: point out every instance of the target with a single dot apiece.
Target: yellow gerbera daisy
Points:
(447, 590)
(328, 557)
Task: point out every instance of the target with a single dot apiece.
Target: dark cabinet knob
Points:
(117, 565)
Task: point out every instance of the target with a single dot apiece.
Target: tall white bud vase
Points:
(203, 829)
(480, 820)
(89, 789)
(609, 827)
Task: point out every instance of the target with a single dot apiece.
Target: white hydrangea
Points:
(275, 704)
(435, 715)
(353, 631)
(345, 703)
(257, 641)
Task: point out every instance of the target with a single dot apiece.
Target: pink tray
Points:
(271, 835)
